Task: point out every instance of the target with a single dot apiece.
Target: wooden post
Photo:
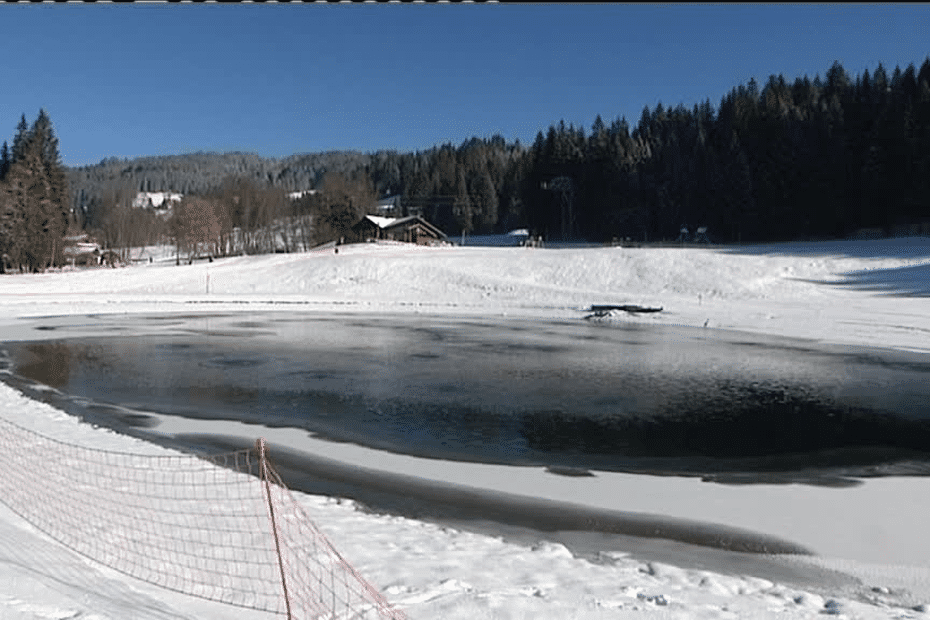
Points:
(263, 465)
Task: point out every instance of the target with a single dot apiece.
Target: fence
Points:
(224, 528)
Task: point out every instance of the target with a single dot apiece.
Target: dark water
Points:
(570, 395)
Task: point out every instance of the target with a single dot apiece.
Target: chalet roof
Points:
(80, 248)
(381, 222)
(386, 223)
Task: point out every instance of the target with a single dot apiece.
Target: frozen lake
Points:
(581, 399)
(560, 394)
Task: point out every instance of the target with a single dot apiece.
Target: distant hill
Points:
(201, 172)
(479, 178)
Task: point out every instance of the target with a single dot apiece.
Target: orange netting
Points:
(224, 529)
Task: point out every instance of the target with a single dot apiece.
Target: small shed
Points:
(81, 250)
(412, 229)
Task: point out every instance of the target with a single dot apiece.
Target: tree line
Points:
(817, 158)
(34, 205)
(808, 159)
(240, 216)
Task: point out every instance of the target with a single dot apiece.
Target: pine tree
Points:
(486, 198)
(22, 213)
(11, 228)
(53, 202)
(22, 132)
(923, 75)
(4, 161)
(462, 208)
(33, 200)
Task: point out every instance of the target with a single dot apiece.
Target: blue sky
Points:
(153, 79)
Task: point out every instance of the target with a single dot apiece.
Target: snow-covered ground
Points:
(874, 293)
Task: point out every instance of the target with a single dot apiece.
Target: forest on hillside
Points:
(783, 160)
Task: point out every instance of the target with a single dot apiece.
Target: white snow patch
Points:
(155, 199)
(850, 293)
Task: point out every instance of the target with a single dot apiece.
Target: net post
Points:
(263, 467)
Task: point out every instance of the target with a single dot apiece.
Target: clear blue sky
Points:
(153, 79)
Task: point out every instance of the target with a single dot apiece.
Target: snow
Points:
(301, 194)
(156, 199)
(870, 292)
(380, 221)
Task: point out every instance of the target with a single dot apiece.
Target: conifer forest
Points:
(814, 158)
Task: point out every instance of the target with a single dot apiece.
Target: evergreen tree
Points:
(485, 198)
(59, 213)
(33, 199)
(19, 140)
(24, 196)
(4, 161)
(462, 208)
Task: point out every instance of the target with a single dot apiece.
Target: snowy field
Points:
(871, 293)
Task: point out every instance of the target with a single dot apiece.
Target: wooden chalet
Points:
(412, 229)
(81, 250)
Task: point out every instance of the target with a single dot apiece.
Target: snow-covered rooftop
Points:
(156, 199)
(381, 222)
(301, 194)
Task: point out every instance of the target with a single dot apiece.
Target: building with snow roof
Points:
(411, 229)
(160, 201)
(82, 250)
(301, 194)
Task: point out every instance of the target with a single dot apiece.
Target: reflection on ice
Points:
(556, 394)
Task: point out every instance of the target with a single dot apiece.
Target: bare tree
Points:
(109, 216)
(197, 226)
(250, 211)
(303, 209)
(343, 202)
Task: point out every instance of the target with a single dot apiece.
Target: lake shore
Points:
(818, 292)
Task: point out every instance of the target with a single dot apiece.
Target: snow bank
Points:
(801, 291)
(866, 293)
(428, 570)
